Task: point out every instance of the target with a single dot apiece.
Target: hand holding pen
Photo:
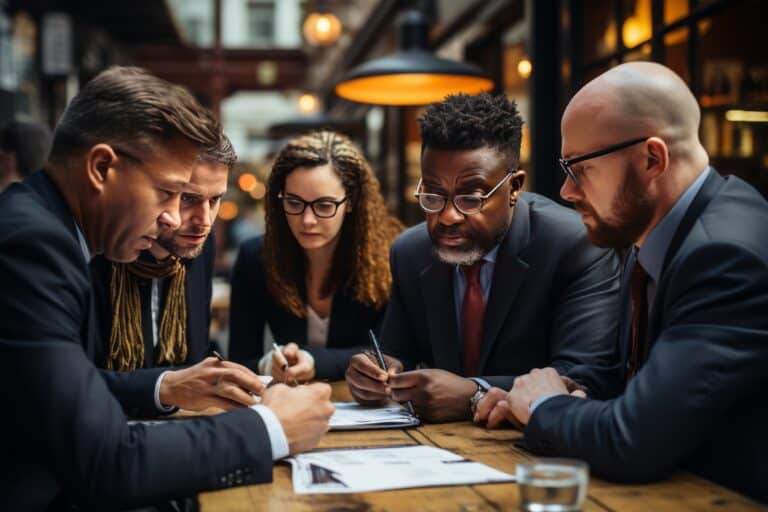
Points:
(383, 364)
(292, 365)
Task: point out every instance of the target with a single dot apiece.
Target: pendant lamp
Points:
(413, 75)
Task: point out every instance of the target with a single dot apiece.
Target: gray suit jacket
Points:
(552, 301)
(699, 399)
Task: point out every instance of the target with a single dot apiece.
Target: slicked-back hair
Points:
(131, 106)
(360, 263)
(465, 122)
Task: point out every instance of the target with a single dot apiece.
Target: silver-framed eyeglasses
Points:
(565, 165)
(468, 204)
(323, 208)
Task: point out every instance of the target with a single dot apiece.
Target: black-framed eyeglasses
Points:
(468, 204)
(322, 208)
(565, 165)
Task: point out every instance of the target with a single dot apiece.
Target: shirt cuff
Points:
(540, 400)
(165, 409)
(481, 382)
(274, 430)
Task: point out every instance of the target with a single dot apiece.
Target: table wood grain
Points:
(683, 491)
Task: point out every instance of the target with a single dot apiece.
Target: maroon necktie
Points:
(639, 284)
(472, 314)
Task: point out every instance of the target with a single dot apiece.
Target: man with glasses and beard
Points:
(693, 335)
(495, 283)
(156, 310)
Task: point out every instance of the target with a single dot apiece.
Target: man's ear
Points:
(99, 160)
(517, 180)
(657, 157)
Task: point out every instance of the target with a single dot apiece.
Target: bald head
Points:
(640, 99)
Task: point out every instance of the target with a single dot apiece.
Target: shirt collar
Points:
(83, 244)
(654, 250)
(490, 257)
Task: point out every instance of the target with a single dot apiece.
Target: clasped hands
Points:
(436, 395)
(514, 406)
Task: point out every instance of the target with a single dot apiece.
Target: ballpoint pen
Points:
(282, 360)
(383, 364)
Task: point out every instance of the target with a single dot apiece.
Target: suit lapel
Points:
(709, 189)
(625, 318)
(437, 287)
(54, 201)
(508, 274)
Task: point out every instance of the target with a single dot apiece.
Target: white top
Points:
(317, 328)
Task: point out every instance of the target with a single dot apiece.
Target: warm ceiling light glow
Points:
(258, 191)
(747, 116)
(308, 103)
(228, 210)
(524, 68)
(247, 181)
(410, 89)
(635, 30)
(322, 28)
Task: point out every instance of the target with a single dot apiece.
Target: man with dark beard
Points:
(496, 282)
(693, 338)
(156, 310)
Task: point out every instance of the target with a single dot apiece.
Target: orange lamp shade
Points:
(405, 89)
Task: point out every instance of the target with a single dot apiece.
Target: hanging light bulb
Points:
(308, 103)
(524, 67)
(322, 28)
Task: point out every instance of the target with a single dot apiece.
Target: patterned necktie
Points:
(472, 314)
(639, 284)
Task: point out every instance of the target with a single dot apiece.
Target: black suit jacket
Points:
(698, 400)
(252, 305)
(552, 300)
(198, 289)
(70, 436)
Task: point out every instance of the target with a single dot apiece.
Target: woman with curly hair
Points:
(320, 274)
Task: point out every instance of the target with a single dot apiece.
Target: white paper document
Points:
(353, 416)
(380, 469)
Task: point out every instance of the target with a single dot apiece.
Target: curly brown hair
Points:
(361, 260)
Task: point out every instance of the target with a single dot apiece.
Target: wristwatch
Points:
(475, 399)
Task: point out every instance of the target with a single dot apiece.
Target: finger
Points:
(291, 353)
(301, 371)
(498, 415)
(406, 379)
(234, 393)
(221, 403)
(578, 393)
(362, 382)
(405, 394)
(488, 402)
(365, 366)
(242, 377)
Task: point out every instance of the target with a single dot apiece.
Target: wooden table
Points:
(683, 491)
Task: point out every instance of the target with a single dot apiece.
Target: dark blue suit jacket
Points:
(553, 299)
(252, 305)
(70, 438)
(699, 399)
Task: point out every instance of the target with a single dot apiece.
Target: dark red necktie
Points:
(639, 284)
(472, 314)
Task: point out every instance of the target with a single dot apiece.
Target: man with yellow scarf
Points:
(155, 311)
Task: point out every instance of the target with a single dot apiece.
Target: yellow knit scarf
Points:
(126, 341)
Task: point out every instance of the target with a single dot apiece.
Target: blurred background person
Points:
(24, 147)
(319, 277)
